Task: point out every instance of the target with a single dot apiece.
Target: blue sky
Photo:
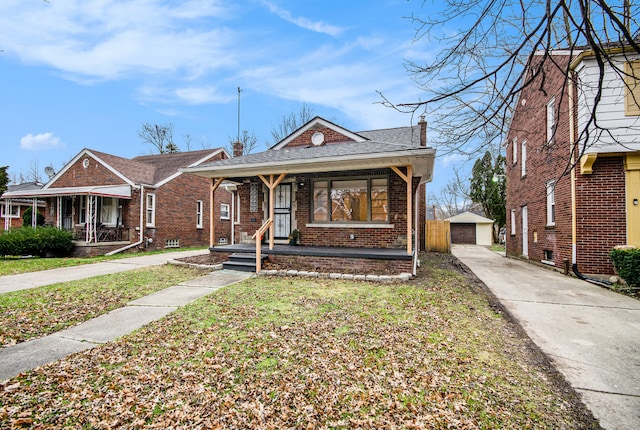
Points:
(88, 73)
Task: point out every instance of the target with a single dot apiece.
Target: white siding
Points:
(611, 109)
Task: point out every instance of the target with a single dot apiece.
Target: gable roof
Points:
(470, 218)
(154, 169)
(391, 147)
(318, 123)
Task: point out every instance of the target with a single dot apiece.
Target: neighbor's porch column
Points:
(407, 178)
(215, 183)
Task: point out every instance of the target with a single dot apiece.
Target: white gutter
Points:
(141, 234)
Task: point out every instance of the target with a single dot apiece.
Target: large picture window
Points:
(351, 200)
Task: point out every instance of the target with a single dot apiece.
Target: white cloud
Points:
(302, 22)
(39, 142)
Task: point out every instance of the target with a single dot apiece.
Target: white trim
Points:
(152, 209)
(349, 225)
(199, 213)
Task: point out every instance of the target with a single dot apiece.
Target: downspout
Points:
(141, 234)
(574, 218)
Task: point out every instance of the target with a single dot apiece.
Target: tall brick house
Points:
(355, 198)
(572, 184)
(113, 204)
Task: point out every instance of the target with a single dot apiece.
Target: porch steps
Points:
(244, 262)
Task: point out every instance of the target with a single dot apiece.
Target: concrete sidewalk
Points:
(24, 281)
(28, 355)
(591, 334)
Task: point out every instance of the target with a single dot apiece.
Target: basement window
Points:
(548, 257)
(172, 243)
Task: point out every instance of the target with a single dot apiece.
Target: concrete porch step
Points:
(244, 262)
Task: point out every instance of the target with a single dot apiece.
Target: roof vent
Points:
(317, 138)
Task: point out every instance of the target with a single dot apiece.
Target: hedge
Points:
(626, 261)
(39, 241)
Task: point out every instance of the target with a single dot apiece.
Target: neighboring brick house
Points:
(113, 204)
(11, 211)
(356, 199)
(572, 190)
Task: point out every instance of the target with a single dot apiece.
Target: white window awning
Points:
(119, 191)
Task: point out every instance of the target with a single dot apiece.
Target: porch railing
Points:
(258, 237)
(103, 234)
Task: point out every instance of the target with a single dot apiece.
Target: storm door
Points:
(282, 211)
(66, 212)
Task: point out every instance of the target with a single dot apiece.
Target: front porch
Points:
(326, 259)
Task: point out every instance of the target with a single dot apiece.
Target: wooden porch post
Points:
(407, 178)
(215, 183)
(271, 184)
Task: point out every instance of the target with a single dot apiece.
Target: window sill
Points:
(349, 225)
(550, 227)
(548, 263)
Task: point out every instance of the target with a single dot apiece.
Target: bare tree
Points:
(290, 123)
(158, 136)
(453, 198)
(33, 175)
(471, 85)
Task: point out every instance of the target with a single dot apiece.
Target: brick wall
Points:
(330, 136)
(601, 214)
(600, 207)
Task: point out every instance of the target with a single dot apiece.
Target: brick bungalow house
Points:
(12, 210)
(113, 204)
(573, 189)
(356, 199)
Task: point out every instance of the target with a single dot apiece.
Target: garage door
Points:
(463, 233)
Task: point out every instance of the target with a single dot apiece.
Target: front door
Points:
(282, 211)
(67, 213)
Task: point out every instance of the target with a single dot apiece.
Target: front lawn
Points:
(40, 311)
(281, 352)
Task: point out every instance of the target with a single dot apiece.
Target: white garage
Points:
(469, 228)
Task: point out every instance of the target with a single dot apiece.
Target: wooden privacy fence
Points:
(438, 236)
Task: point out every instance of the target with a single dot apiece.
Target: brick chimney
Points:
(238, 149)
(423, 131)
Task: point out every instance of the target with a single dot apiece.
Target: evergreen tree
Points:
(488, 188)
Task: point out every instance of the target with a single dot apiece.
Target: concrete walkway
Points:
(119, 322)
(591, 334)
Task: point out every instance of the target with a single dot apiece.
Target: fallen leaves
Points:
(291, 353)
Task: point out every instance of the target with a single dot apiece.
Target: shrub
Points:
(26, 218)
(38, 241)
(626, 260)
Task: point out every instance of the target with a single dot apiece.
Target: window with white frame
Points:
(13, 212)
(523, 158)
(224, 211)
(513, 222)
(514, 150)
(82, 215)
(551, 203)
(150, 210)
(199, 214)
(551, 120)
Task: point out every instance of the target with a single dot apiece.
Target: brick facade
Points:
(175, 208)
(373, 237)
(600, 206)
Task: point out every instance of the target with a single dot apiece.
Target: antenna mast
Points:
(239, 90)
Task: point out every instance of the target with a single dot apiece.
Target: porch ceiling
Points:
(120, 191)
(362, 156)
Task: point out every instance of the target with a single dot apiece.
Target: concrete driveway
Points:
(590, 333)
